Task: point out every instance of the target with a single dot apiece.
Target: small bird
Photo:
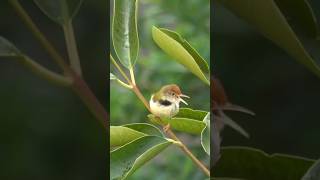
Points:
(165, 102)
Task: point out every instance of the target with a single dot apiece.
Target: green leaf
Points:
(7, 49)
(187, 125)
(268, 19)
(145, 128)
(192, 114)
(127, 159)
(181, 51)
(60, 11)
(124, 32)
(249, 163)
(205, 135)
(301, 14)
(120, 135)
(313, 173)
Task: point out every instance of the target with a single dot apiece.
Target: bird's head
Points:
(173, 93)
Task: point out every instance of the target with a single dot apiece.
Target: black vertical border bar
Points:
(108, 88)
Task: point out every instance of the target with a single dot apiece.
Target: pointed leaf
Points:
(122, 135)
(249, 163)
(124, 32)
(127, 159)
(267, 18)
(187, 125)
(7, 49)
(192, 114)
(313, 173)
(205, 135)
(145, 128)
(60, 11)
(181, 51)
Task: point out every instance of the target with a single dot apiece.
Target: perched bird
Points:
(165, 102)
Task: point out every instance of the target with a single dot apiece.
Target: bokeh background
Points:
(154, 69)
(45, 130)
(262, 77)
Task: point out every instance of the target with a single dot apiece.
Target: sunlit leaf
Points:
(7, 49)
(124, 32)
(250, 163)
(181, 51)
(205, 135)
(60, 11)
(268, 19)
(313, 173)
(192, 114)
(127, 159)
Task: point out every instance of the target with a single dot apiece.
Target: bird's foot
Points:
(166, 128)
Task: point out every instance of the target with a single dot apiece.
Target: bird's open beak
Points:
(182, 95)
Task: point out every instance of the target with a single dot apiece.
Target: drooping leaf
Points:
(145, 128)
(301, 14)
(181, 51)
(205, 135)
(268, 19)
(313, 173)
(124, 32)
(187, 125)
(7, 49)
(60, 11)
(127, 159)
(250, 163)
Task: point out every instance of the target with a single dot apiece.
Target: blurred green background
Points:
(260, 76)
(46, 132)
(154, 69)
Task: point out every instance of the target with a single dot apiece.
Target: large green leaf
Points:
(7, 49)
(301, 14)
(205, 135)
(145, 128)
(187, 120)
(181, 51)
(249, 163)
(127, 159)
(60, 11)
(313, 173)
(268, 19)
(120, 135)
(124, 31)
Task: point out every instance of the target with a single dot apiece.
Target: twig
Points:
(72, 47)
(79, 85)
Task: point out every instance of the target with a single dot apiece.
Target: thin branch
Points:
(132, 76)
(79, 86)
(39, 35)
(72, 47)
(124, 84)
(45, 73)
